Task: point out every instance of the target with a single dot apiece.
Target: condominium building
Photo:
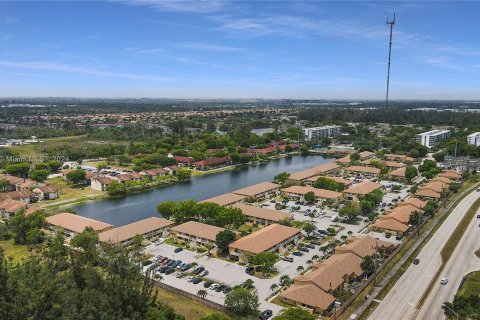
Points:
(474, 139)
(318, 133)
(430, 138)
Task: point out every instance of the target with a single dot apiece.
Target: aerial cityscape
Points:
(220, 160)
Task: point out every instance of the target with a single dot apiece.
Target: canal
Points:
(134, 207)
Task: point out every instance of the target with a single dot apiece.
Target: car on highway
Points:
(444, 281)
(416, 261)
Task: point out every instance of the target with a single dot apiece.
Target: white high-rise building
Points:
(430, 138)
(318, 133)
(474, 139)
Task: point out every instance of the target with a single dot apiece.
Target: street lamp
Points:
(447, 307)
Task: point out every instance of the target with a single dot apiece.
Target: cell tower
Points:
(391, 23)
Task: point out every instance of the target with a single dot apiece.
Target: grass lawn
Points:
(14, 250)
(189, 309)
(471, 285)
(70, 193)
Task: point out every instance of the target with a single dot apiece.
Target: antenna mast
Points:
(391, 23)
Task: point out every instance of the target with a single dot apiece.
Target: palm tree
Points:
(274, 287)
(344, 238)
(309, 262)
(202, 293)
(316, 257)
(300, 269)
(285, 280)
(350, 233)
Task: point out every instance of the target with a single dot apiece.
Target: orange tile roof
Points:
(76, 223)
(363, 246)
(427, 193)
(309, 295)
(12, 206)
(344, 160)
(198, 229)
(401, 213)
(267, 214)
(225, 199)
(257, 189)
(442, 179)
(126, 232)
(391, 225)
(414, 202)
(451, 174)
(319, 193)
(363, 187)
(363, 169)
(400, 172)
(265, 238)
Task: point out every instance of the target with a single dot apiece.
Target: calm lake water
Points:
(138, 206)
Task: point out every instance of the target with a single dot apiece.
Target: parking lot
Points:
(221, 272)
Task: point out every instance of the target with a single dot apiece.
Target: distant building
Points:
(318, 133)
(474, 139)
(430, 138)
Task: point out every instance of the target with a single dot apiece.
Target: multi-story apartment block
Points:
(474, 139)
(430, 138)
(318, 133)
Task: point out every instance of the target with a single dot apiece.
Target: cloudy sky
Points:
(239, 49)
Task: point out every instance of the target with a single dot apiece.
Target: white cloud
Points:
(210, 47)
(192, 6)
(61, 67)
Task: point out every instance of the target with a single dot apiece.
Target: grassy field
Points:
(189, 309)
(471, 285)
(69, 193)
(14, 250)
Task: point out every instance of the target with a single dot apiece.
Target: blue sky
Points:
(239, 49)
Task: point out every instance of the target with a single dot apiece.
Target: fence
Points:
(190, 296)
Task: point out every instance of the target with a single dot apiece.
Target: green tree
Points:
(368, 265)
(414, 218)
(167, 209)
(296, 313)
(328, 184)
(27, 229)
(54, 165)
(216, 316)
(39, 175)
(18, 169)
(265, 259)
(411, 172)
(354, 156)
(87, 241)
(310, 197)
(309, 227)
(76, 176)
(4, 184)
(116, 188)
(223, 239)
(242, 302)
(350, 211)
(282, 177)
(202, 293)
(101, 166)
(184, 174)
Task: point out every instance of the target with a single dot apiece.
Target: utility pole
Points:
(391, 23)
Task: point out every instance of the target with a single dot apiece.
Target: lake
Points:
(138, 206)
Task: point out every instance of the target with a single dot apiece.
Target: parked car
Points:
(198, 270)
(208, 283)
(258, 268)
(416, 261)
(180, 275)
(177, 250)
(146, 262)
(310, 246)
(266, 314)
(399, 237)
(220, 288)
(297, 253)
(214, 286)
(304, 249)
(196, 280)
(288, 259)
(444, 281)
(250, 269)
(170, 270)
(186, 267)
(227, 289)
(204, 273)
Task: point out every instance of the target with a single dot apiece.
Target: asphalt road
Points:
(462, 261)
(401, 301)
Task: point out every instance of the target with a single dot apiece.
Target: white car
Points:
(214, 286)
(444, 281)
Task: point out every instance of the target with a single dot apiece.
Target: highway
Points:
(462, 261)
(401, 301)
